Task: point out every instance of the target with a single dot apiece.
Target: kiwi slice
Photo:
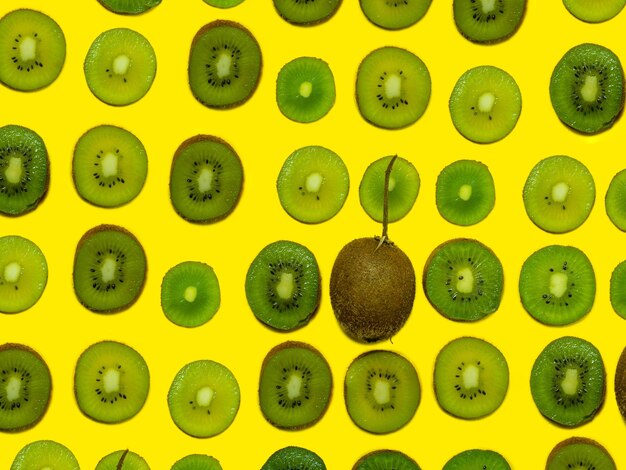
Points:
(559, 194)
(203, 399)
(404, 186)
(557, 285)
(594, 11)
(615, 200)
(190, 294)
(23, 274)
(382, 391)
(109, 269)
(223, 3)
(394, 14)
(122, 460)
(485, 104)
(25, 387)
(283, 285)
(24, 170)
(587, 88)
(295, 386)
(197, 462)
(471, 378)
(33, 50)
(305, 89)
(463, 280)
(477, 459)
(109, 167)
(620, 384)
(129, 7)
(313, 184)
(567, 381)
(579, 452)
(617, 290)
(488, 21)
(465, 192)
(225, 64)
(45, 454)
(385, 459)
(294, 457)
(392, 87)
(306, 12)
(206, 179)
(120, 66)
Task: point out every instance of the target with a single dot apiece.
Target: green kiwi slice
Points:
(295, 386)
(382, 391)
(557, 285)
(403, 188)
(223, 3)
(615, 200)
(111, 382)
(283, 285)
(385, 459)
(25, 387)
(313, 184)
(477, 459)
(197, 462)
(109, 167)
(488, 21)
(45, 454)
(294, 457)
(394, 14)
(559, 194)
(33, 50)
(122, 460)
(225, 64)
(305, 89)
(471, 378)
(120, 66)
(567, 381)
(594, 11)
(392, 87)
(617, 290)
(587, 88)
(190, 294)
(307, 12)
(129, 7)
(579, 452)
(620, 384)
(206, 179)
(24, 170)
(23, 274)
(203, 398)
(109, 269)
(463, 280)
(465, 193)
(485, 104)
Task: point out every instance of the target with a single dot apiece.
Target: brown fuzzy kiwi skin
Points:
(23, 347)
(203, 138)
(620, 384)
(576, 440)
(376, 452)
(233, 24)
(372, 289)
(289, 345)
(117, 228)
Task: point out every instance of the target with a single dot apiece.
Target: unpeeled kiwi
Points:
(45, 454)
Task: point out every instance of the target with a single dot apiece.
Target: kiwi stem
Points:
(386, 199)
(120, 464)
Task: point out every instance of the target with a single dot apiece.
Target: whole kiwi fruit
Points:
(372, 285)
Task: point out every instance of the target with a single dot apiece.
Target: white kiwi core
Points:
(121, 64)
(12, 272)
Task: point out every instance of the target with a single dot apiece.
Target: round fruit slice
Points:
(618, 289)
(471, 378)
(313, 184)
(129, 7)
(45, 455)
(109, 167)
(204, 398)
(120, 66)
(615, 200)
(385, 459)
(122, 460)
(567, 381)
(306, 13)
(579, 452)
(404, 186)
(224, 64)
(24, 170)
(485, 104)
(392, 87)
(32, 47)
(559, 194)
(477, 459)
(190, 294)
(488, 21)
(620, 384)
(382, 391)
(25, 387)
(205, 180)
(594, 11)
(294, 457)
(197, 462)
(223, 3)
(394, 15)
(587, 88)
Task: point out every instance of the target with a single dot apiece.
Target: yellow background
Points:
(60, 329)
